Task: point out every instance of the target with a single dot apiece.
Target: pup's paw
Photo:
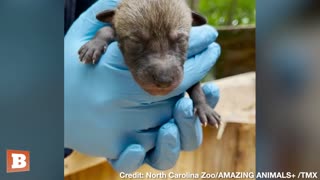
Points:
(207, 115)
(92, 51)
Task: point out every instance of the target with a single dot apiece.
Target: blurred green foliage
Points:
(227, 12)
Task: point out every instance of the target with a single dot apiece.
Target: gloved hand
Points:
(107, 114)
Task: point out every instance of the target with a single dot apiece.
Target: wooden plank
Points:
(237, 98)
(78, 162)
(234, 152)
(246, 148)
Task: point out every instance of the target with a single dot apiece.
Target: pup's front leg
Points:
(92, 50)
(206, 114)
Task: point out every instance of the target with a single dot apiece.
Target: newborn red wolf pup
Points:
(153, 38)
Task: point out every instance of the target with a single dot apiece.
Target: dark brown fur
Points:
(153, 37)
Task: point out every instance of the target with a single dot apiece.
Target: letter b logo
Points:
(18, 161)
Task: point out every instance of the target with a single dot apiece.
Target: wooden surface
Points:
(234, 152)
(237, 98)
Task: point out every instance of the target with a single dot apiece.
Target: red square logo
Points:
(18, 161)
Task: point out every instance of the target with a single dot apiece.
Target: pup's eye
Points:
(178, 36)
(134, 46)
(134, 40)
(182, 39)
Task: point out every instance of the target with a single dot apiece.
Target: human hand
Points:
(107, 114)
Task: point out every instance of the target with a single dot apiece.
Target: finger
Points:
(189, 126)
(96, 56)
(212, 120)
(81, 55)
(203, 118)
(130, 159)
(98, 7)
(212, 93)
(197, 67)
(81, 49)
(87, 24)
(88, 56)
(167, 149)
(217, 117)
(200, 38)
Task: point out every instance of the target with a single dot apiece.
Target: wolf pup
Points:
(153, 38)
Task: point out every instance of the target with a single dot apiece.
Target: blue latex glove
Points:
(107, 114)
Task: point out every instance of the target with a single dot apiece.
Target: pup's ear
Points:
(106, 16)
(197, 19)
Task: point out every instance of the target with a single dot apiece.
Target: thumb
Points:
(130, 159)
(85, 27)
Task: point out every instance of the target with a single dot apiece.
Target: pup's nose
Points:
(162, 81)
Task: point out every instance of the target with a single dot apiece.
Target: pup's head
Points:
(153, 37)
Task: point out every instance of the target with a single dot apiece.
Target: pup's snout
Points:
(161, 76)
(162, 80)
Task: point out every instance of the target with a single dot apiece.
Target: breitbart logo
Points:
(18, 161)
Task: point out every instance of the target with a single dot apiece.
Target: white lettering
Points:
(18, 161)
